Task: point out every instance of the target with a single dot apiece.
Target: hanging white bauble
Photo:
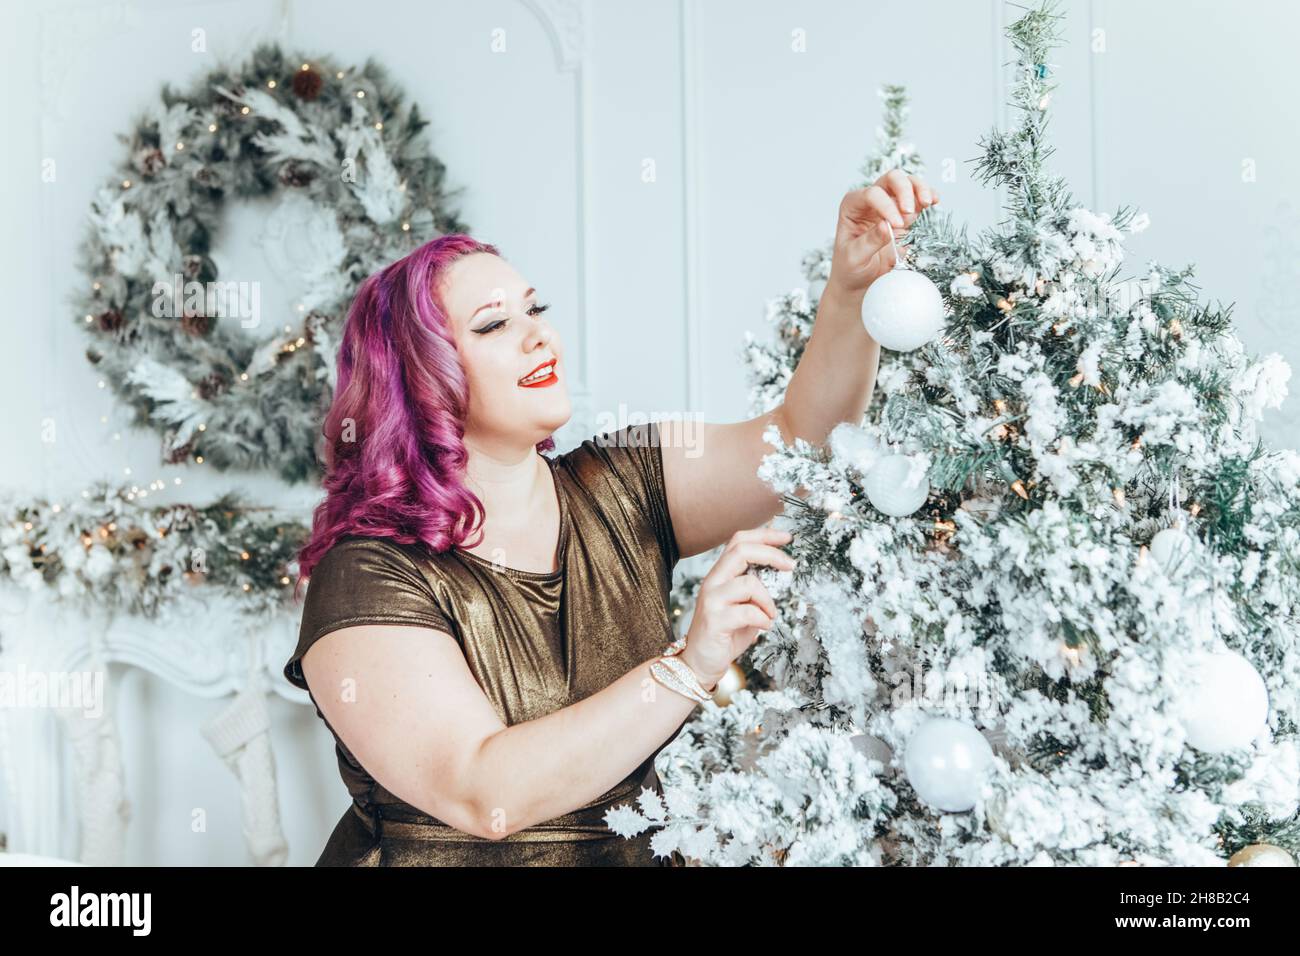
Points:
(1171, 549)
(887, 488)
(945, 763)
(902, 310)
(1226, 703)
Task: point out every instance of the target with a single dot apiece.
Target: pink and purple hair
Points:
(394, 447)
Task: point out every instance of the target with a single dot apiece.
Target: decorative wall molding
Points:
(566, 22)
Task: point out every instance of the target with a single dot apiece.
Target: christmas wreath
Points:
(344, 154)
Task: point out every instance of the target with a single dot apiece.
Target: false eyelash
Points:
(502, 322)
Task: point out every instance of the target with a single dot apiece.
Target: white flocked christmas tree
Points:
(1081, 648)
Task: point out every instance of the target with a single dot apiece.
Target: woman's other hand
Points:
(732, 607)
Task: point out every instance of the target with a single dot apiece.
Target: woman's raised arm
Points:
(711, 482)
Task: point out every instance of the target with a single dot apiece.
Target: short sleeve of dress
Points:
(636, 456)
(363, 580)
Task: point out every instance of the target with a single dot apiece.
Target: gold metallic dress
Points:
(534, 641)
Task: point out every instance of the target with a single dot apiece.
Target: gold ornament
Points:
(1261, 854)
(730, 684)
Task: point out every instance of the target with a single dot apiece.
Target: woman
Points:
(492, 695)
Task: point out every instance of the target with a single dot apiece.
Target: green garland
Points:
(109, 549)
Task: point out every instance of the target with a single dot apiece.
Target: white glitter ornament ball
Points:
(887, 489)
(1226, 703)
(1172, 550)
(902, 310)
(945, 763)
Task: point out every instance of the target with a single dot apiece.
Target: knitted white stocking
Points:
(241, 736)
(100, 781)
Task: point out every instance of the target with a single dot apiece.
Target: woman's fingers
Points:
(737, 557)
(763, 535)
(735, 618)
(896, 197)
(744, 589)
(924, 194)
(901, 188)
(910, 193)
(751, 616)
(865, 206)
(740, 552)
(875, 248)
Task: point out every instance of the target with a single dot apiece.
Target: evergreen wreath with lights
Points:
(341, 138)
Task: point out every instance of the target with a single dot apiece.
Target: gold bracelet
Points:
(675, 674)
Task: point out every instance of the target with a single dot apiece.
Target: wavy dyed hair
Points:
(394, 447)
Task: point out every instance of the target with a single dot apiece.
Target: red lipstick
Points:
(550, 379)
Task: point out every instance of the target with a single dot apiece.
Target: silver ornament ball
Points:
(946, 760)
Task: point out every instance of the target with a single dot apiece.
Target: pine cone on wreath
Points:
(212, 386)
(313, 320)
(110, 320)
(199, 267)
(149, 159)
(307, 84)
(207, 177)
(296, 175)
(176, 455)
(196, 325)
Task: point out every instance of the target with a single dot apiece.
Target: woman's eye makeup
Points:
(501, 323)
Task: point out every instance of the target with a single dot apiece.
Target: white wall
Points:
(653, 282)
